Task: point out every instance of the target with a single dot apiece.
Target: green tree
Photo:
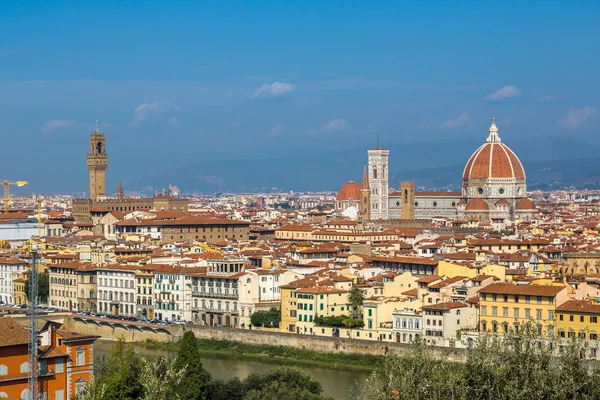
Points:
(160, 379)
(43, 287)
(193, 386)
(514, 367)
(221, 390)
(283, 383)
(356, 299)
(121, 378)
(271, 318)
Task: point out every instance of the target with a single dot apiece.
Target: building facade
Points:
(10, 269)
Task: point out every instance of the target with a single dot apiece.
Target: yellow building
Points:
(505, 307)
(578, 318)
(289, 308)
(445, 268)
(321, 301)
(19, 289)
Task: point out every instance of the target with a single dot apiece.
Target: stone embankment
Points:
(136, 332)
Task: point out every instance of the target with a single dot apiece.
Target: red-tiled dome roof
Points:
(477, 205)
(525, 204)
(493, 160)
(350, 191)
(502, 202)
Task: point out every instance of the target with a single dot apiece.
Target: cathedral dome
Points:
(493, 160)
(350, 191)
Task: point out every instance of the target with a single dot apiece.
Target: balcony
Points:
(217, 295)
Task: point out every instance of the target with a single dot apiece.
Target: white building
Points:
(442, 321)
(116, 290)
(10, 269)
(378, 182)
(172, 292)
(407, 326)
(260, 289)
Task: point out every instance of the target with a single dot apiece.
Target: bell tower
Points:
(97, 163)
(408, 200)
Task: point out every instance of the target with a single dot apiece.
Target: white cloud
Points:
(336, 125)
(461, 120)
(273, 90)
(545, 99)
(157, 111)
(278, 130)
(57, 123)
(235, 123)
(577, 116)
(504, 93)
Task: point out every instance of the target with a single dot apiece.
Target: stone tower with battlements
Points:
(97, 163)
(407, 210)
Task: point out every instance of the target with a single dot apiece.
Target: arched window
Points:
(417, 324)
(3, 395)
(404, 324)
(24, 367)
(374, 173)
(25, 394)
(410, 324)
(3, 370)
(99, 148)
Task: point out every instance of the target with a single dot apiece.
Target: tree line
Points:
(127, 376)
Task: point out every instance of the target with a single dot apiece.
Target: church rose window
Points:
(501, 191)
(416, 204)
(480, 190)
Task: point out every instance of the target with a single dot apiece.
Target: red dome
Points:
(525, 204)
(493, 160)
(477, 205)
(350, 191)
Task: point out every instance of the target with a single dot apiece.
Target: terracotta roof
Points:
(406, 260)
(532, 290)
(12, 333)
(580, 306)
(477, 205)
(493, 160)
(445, 306)
(349, 191)
(525, 204)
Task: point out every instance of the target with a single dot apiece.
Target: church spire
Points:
(97, 131)
(120, 193)
(493, 136)
(365, 178)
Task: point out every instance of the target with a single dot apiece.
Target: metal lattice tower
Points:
(33, 325)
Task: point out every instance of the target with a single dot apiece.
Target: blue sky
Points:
(178, 81)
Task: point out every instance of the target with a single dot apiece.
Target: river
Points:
(337, 383)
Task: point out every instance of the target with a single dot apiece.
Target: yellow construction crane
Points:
(6, 185)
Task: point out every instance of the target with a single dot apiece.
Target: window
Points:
(494, 311)
(3, 370)
(539, 299)
(570, 318)
(24, 367)
(59, 395)
(484, 311)
(527, 313)
(581, 318)
(561, 317)
(505, 312)
(527, 299)
(59, 366)
(593, 319)
(80, 356)
(516, 312)
(538, 314)
(551, 315)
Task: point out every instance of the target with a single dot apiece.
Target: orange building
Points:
(65, 362)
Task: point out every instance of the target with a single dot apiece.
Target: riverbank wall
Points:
(136, 333)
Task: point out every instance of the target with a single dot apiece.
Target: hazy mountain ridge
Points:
(438, 164)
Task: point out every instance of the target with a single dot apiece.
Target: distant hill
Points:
(438, 164)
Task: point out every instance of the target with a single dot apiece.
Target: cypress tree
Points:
(194, 384)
